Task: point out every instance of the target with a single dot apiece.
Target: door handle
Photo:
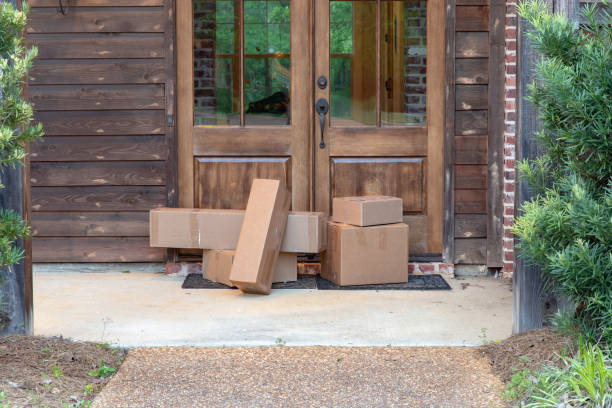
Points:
(322, 107)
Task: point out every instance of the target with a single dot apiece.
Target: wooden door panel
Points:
(417, 233)
(226, 182)
(401, 177)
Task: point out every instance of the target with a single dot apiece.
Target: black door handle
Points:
(322, 107)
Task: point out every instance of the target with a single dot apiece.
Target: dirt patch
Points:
(52, 372)
(530, 350)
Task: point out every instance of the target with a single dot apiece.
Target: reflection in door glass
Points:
(266, 62)
(352, 47)
(403, 64)
(216, 59)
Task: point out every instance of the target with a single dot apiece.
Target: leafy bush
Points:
(15, 118)
(567, 228)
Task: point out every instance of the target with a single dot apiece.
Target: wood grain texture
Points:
(226, 182)
(137, 173)
(365, 141)
(98, 45)
(262, 141)
(469, 123)
(107, 20)
(90, 224)
(471, 71)
(98, 148)
(470, 97)
(472, 45)
(402, 178)
(98, 198)
(470, 201)
(96, 97)
(448, 249)
(470, 226)
(472, 18)
(471, 251)
(471, 150)
(97, 3)
(472, 2)
(417, 233)
(96, 249)
(67, 123)
(470, 177)
(111, 71)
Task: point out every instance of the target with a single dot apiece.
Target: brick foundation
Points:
(509, 137)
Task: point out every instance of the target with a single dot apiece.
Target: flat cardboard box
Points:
(306, 232)
(366, 255)
(261, 236)
(367, 210)
(217, 264)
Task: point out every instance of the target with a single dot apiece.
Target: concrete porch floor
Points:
(151, 309)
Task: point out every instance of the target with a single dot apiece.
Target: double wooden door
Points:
(334, 97)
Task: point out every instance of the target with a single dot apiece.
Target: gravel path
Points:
(278, 376)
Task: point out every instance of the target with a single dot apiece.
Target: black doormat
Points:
(415, 282)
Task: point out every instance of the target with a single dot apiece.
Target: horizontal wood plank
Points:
(261, 141)
(470, 201)
(470, 226)
(95, 249)
(471, 150)
(82, 123)
(96, 97)
(139, 71)
(90, 224)
(98, 45)
(97, 3)
(385, 141)
(471, 251)
(136, 173)
(470, 177)
(469, 97)
(471, 123)
(107, 20)
(472, 18)
(471, 71)
(98, 148)
(472, 45)
(472, 2)
(98, 198)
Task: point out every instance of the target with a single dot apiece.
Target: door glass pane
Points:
(403, 62)
(216, 57)
(352, 46)
(267, 61)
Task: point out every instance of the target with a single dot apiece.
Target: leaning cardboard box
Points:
(261, 236)
(219, 229)
(366, 255)
(217, 264)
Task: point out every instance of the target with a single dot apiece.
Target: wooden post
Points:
(532, 303)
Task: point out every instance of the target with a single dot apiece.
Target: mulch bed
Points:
(27, 376)
(539, 347)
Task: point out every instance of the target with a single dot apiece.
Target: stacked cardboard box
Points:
(367, 242)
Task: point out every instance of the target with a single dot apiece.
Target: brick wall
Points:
(204, 89)
(510, 136)
(415, 38)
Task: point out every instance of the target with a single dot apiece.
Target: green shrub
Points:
(567, 227)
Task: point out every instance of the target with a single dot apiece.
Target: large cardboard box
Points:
(217, 264)
(367, 210)
(306, 232)
(366, 255)
(261, 236)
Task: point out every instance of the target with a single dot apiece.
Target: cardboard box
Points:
(217, 264)
(366, 255)
(367, 210)
(306, 232)
(261, 236)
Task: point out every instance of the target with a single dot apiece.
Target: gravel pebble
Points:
(303, 377)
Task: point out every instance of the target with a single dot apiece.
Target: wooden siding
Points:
(471, 101)
(102, 86)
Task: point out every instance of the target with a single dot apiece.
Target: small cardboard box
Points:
(261, 236)
(217, 264)
(306, 232)
(368, 210)
(366, 255)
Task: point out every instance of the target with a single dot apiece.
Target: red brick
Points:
(173, 268)
(411, 268)
(508, 186)
(508, 234)
(511, 139)
(427, 268)
(510, 44)
(508, 255)
(508, 244)
(508, 267)
(509, 211)
(510, 80)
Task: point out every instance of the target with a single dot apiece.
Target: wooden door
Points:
(244, 99)
(384, 65)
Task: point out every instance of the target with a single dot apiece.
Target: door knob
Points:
(322, 107)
